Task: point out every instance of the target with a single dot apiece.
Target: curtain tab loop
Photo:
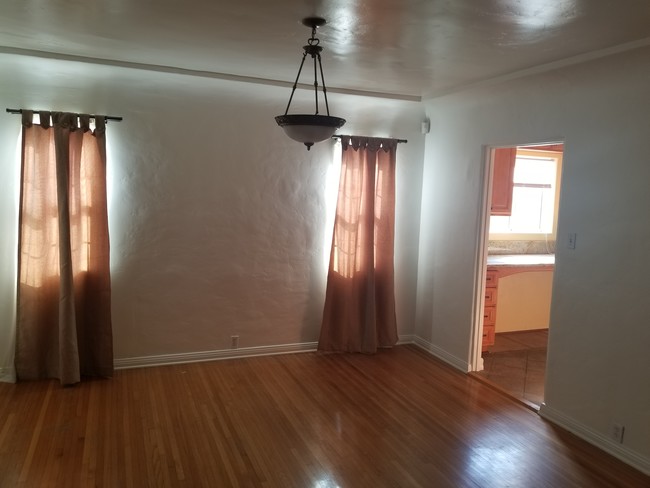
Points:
(64, 120)
(84, 122)
(100, 124)
(370, 143)
(373, 144)
(389, 144)
(28, 118)
(44, 117)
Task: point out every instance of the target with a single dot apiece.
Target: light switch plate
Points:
(571, 243)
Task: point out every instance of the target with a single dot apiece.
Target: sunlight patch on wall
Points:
(332, 176)
(112, 194)
(7, 327)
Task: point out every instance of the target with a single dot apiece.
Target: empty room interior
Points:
(516, 351)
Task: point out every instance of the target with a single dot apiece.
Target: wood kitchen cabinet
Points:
(502, 180)
(548, 147)
(490, 308)
(494, 274)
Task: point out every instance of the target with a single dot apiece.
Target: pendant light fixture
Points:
(307, 128)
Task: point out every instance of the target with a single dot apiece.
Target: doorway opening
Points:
(516, 272)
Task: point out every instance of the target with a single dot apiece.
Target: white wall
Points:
(598, 365)
(217, 220)
(10, 149)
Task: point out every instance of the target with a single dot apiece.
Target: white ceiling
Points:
(405, 48)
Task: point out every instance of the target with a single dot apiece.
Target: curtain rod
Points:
(92, 116)
(398, 140)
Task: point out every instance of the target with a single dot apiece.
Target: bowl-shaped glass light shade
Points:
(309, 129)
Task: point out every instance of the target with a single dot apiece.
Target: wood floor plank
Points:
(399, 418)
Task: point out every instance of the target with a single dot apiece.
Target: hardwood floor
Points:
(396, 419)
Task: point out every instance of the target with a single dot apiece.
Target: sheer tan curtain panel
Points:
(63, 327)
(359, 312)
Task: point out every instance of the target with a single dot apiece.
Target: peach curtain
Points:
(63, 327)
(359, 312)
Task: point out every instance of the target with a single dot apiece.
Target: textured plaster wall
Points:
(9, 149)
(218, 222)
(598, 362)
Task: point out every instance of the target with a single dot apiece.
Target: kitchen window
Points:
(534, 197)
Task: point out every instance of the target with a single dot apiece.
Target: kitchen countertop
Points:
(521, 260)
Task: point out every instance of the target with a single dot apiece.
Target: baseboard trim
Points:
(195, 357)
(619, 451)
(442, 354)
(406, 339)
(7, 375)
(243, 352)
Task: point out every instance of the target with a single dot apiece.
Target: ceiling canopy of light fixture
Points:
(308, 128)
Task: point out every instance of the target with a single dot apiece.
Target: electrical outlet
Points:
(617, 432)
(234, 342)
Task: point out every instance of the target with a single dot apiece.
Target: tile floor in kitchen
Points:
(516, 363)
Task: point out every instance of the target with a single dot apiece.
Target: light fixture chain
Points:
(316, 81)
(322, 77)
(295, 83)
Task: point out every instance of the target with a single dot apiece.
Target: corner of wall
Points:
(441, 354)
